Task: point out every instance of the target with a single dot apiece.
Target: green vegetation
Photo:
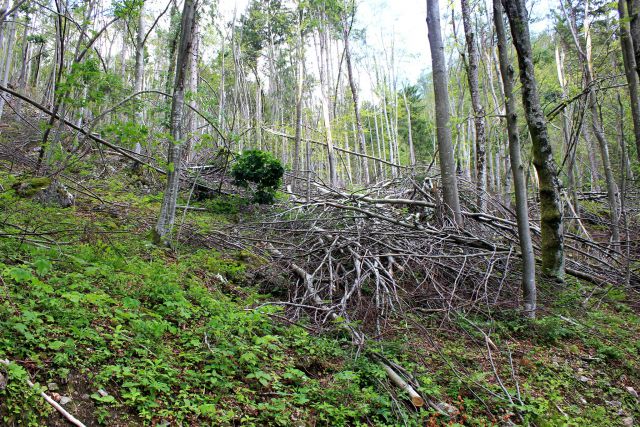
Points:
(262, 169)
(136, 334)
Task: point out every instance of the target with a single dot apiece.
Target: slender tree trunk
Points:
(412, 153)
(138, 81)
(629, 69)
(6, 70)
(192, 118)
(167, 215)
(585, 56)
(441, 92)
(324, 85)
(299, 90)
(522, 210)
(356, 107)
(550, 204)
(478, 109)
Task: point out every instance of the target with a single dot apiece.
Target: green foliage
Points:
(260, 168)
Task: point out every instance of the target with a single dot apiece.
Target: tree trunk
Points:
(520, 186)
(478, 109)
(550, 204)
(168, 208)
(356, 108)
(441, 93)
(299, 90)
(6, 70)
(585, 57)
(412, 153)
(138, 81)
(324, 86)
(629, 69)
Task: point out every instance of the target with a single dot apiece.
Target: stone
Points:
(451, 410)
(64, 400)
(627, 422)
(53, 387)
(632, 391)
(583, 379)
(56, 194)
(3, 382)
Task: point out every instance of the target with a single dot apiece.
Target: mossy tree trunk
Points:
(522, 210)
(550, 204)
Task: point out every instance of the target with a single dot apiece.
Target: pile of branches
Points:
(374, 258)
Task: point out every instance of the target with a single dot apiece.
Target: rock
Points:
(627, 422)
(451, 410)
(56, 194)
(632, 391)
(583, 379)
(64, 400)
(583, 400)
(103, 393)
(3, 382)
(53, 387)
(614, 403)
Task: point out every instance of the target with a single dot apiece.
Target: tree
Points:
(478, 109)
(441, 93)
(585, 58)
(168, 207)
(354, 93)
(629, 59)
(522, 210)
(550, 204)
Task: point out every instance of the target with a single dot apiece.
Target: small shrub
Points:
(259, 168)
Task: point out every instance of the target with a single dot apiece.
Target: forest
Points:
(280, 213)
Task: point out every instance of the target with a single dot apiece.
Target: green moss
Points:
(28, 187)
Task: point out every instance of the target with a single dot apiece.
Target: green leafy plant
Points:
(263, 170)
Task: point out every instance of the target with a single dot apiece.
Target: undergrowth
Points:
(136, 334)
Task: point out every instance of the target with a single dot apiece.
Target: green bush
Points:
(263, 170)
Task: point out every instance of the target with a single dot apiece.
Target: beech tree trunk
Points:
(443, 130)
(550, 204)
(478, 109)
(139, 66)
(517, 170)
(324, 86)
(585, 58)
(168, 208)
(299, 88)
(629, 68)
(356, 108)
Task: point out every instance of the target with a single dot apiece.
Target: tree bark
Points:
(478, 109)
(324, 85)
(629, 68)
(138, 80)
(364, 164)
(441, 93)
(299, 91)
(550, 204)
(585, 57)
(168, 208)
(517, 170)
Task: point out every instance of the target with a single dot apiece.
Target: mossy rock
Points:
(29, 187)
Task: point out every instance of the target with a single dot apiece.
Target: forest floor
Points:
(123, 332)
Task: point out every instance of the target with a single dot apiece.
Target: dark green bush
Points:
(263, 170)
